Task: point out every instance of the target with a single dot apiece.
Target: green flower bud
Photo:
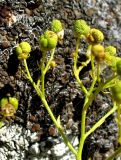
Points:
(14, 102)
(56, 26)
(81, 28)
(95, 36)
(112, 61)
(98, 52)
(8, 106)
(111, 50)
(23, 50)
(116, 92)
(3, 102)
(48, 41)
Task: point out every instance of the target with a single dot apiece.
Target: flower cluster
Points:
(97, 54)
(8, 107)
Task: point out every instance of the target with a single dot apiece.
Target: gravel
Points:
(18, 143)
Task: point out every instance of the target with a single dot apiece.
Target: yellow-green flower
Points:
(81, 28)
(98, 52)
(23, 50)
(112, 61)
(8, 106)
(111, 50)
(116, 92)
(56, 26)
(95, 36)
(48, 41)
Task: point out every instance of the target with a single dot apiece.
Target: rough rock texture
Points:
(26, 20)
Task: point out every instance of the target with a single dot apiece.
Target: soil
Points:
(26, 21)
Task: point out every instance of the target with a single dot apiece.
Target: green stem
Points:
(42, 97)
(42, 77)
(27, 71)
(92, 66)
(98, 71)
(82, 138)
(119, 123)
(48, 63)
(83, 65)
(60, 129)
(101, 121)
(88, 101)
(76, 72)
(80, 82)
(92, 85)
(58, 126)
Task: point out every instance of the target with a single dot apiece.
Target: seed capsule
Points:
(48, 41)
(8, 106)
(95, 36)
(98, 52)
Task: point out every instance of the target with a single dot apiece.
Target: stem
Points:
(92, 85)
(116, 153)
(93, 67)
(42, 77)
(27, 71)
(83, 65)
(110, 82)
(88, 101)
(60, 129)
(42, 97)
(98, 71)
(80, 83)
(101, 121)
(48, 63)
(76, 72)
(82, 138)
(58, 126)
(119, 123)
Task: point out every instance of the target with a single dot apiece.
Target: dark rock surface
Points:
(26, 20)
